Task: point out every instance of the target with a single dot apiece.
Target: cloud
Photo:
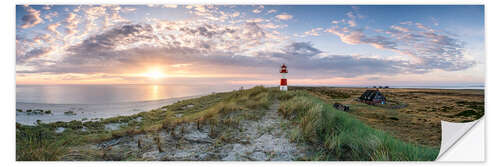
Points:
(71, 24)
(111, 40)
(312, 32)
(426, 48)
(350, 36)
(31, 18)
(43, 38)
(93, 13)
(180, 43)
(284, 16)
(118, 50)
(51, 15)
(53, 28)
(258, 9)
(213, 46)
(32, 54)
(256, 20)
(46, 7)
(169, 6)
(235, 14)
(271, 11)
(400, 29)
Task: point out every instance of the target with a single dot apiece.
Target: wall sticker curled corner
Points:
(451, 133)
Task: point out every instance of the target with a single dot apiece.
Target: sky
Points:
(338, 45)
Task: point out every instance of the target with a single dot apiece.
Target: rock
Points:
(187, 106)
(60, 129)
(239, 153)
(113, 126)
(233, 156)
(154, 155)
(69, 113)
(184, 154)
(258, 156)
(109, 143)
(266, 143)
(197, 136)
(281, 157)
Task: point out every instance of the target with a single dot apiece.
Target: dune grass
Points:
(336, 135)
(41, 143)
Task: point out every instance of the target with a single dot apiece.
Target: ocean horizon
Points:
(126, 93)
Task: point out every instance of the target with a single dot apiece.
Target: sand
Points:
(87, 112)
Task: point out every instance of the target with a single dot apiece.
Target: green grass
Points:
(333, 134)
(336, 135)
(40, 142)
(33, 143)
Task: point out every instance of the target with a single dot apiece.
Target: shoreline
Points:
(89, 112)
(99, 111)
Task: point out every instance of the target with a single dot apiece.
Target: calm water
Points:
(103, 94)
(91, 102)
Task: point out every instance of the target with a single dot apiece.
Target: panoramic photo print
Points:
(170, 82)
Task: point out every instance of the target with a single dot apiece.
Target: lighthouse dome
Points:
(283, 69)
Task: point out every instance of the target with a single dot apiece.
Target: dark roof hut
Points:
(372, 97)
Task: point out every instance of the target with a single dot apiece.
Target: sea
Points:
(93, 102)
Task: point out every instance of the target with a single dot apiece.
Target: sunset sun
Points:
(155, 74)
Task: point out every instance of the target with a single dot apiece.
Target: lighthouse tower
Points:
(283, 71)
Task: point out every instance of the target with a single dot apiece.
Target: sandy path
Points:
(268, 140)
(255, 140)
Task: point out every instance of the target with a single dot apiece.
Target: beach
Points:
(87, 112)
(93, 102)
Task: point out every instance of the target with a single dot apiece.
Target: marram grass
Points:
(336, 135)
(41, 143)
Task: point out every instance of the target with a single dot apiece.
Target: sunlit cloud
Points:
(31, 18)
(135, 44)
(284, 16)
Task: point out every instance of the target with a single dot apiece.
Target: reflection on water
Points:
(99, 94)
(154, 92)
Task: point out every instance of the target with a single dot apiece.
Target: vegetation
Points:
(332, 93)
(336, 135)
(41, 142)
(330, 133)
(412, 115)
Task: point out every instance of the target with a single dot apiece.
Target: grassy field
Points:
(413, 115)
(337, 135)
(41, 142)
(328, 133)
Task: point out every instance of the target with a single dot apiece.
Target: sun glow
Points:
(155, 74)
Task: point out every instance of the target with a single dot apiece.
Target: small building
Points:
(372, 97)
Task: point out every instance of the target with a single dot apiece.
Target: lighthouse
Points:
(283, 71)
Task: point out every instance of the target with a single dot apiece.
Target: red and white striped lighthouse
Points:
(283, 84)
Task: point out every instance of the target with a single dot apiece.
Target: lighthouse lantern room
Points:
(283, 84)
